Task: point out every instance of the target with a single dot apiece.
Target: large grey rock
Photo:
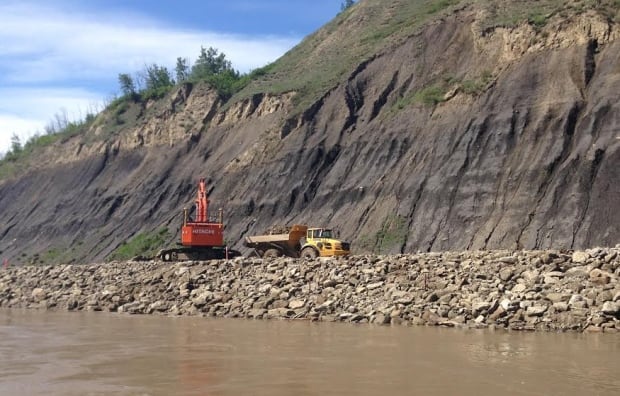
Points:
(560, 306)
(536, 310)
(481, 306)
(557, 297)
(530, 276)
(296, 304)
(506, 273)
(580, 257)
(599, 277)
(611, 308)
(38, 294)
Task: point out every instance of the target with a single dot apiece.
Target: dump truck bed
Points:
(267, 238)
(287, 243)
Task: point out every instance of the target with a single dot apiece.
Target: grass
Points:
(432, 95)
(51, 256)
(537, 13)
(389, 239)
(477, 85)
(428, 96)
(435, 93)
(155, 93)
(537, 19)
(440, 5)
(144, 244)
(392, 235)
(320, 63)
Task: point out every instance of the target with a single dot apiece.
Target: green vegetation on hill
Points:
(210, 66)
(390, 238)
(144, 244)
(329, 56)
(538, 12)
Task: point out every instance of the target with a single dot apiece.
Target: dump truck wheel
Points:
(308, 253)
(271, 253)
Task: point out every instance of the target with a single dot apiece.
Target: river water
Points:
(82, 353)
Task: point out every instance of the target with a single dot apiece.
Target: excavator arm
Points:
(202, 203)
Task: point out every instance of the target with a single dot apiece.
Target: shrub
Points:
(477, 85)
(432, 95)
(538, 20)
(437, 6)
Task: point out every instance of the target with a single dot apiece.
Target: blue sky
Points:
(64, 57)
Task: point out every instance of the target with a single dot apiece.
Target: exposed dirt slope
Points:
(462, 136)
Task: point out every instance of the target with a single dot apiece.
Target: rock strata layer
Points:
(516, 290)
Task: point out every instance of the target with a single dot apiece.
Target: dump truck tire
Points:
(309, 252)
(271, 253)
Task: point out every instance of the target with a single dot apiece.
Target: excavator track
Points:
(197, 254)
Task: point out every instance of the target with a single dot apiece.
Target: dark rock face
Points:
(446, 289)
(529, 161)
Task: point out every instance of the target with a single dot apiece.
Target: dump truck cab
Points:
(322, 242)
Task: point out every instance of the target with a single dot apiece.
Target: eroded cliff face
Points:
(457, 138)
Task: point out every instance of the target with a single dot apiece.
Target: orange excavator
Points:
(202, 238)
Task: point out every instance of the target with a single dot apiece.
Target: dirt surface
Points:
(518, 149)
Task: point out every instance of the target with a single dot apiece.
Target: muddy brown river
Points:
(58, 353)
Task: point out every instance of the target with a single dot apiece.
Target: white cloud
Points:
(56, 51)
(22, 127)
(58, 45)
(26, 111)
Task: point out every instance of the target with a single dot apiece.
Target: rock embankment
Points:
(523, 290)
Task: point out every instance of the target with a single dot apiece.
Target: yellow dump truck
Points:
(299, 241)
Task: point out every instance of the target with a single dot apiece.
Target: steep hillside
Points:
(408, 125)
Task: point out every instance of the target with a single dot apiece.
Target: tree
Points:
(61, 120)
(209, 63)
(127, 85)
(157, 77)
(182, 70)
(16, 144)
(346, 4)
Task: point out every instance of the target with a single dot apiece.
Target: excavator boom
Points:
(202, 203)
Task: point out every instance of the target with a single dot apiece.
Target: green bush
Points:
(155, 93)
(431, 95)
(437, 6)
(477, 85)
(261, 71)
(120, 107)
(536, 19)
